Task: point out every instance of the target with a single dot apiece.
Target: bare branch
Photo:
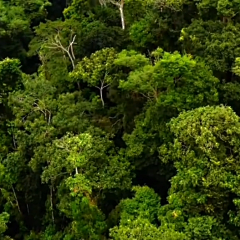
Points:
(106, 86)
(57, 44)
(116, 122)
(71, 44)
(120, 5)
(27, 209)
(145, 96)
(51, 201)
(15, 196)
(115, 3)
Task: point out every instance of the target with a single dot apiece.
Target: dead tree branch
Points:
(120, 5)
(56, 43)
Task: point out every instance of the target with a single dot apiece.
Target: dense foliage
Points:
(119, 119)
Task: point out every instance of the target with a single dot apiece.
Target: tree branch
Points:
(57, 44)
(15, 196)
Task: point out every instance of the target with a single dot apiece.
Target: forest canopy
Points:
(119, 120)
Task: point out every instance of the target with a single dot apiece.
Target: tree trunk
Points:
(122, 16)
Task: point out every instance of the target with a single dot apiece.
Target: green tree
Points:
(138, 218)
(97, 71)
(205, 155)
(4, 218)
(17, 18)
(137, 229)
(92, 165)
(169, 85)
